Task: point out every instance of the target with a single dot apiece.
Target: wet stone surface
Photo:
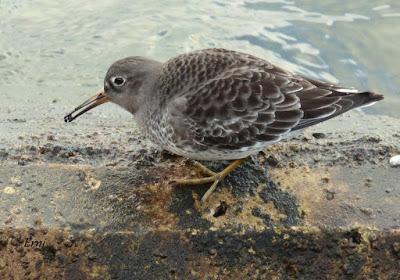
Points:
(93, 200)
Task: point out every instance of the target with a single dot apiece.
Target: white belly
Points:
(217, 154)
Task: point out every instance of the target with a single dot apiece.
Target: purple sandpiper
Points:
(217, 104)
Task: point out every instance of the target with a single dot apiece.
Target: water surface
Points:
(60, 50)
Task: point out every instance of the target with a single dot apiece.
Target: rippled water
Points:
(51, 50)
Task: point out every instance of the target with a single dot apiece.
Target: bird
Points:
(218, 104)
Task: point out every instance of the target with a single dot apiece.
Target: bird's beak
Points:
(89, 104)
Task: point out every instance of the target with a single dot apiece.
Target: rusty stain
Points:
(93, 183)
(309, 186)
(9, 190)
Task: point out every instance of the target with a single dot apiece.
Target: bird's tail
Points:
(347, 99)
(367, 98)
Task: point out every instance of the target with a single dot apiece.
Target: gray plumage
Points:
(217, 104)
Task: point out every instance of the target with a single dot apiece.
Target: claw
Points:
(214, 177)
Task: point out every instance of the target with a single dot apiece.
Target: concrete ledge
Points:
(98, 205)
(284, 253)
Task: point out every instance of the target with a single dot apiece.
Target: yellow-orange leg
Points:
(214, 177)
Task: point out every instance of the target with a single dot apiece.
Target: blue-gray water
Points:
(61, 49)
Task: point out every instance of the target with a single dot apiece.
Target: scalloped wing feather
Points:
(233, 100)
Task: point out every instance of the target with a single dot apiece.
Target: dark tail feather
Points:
(367, 98)
(348, 101)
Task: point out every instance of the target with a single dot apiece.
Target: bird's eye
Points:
(118, 81)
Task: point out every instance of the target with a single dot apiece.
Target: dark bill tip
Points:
(86, 106)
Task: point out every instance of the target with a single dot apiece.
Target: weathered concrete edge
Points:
(283, 253)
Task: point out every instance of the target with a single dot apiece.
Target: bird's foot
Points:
(204, 169)
(214, 177)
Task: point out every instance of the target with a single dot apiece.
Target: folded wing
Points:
(250, 102)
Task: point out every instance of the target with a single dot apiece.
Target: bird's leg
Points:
(221, 175)
(215, 177)
(203, 168)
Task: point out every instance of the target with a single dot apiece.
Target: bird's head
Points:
(125, 84)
